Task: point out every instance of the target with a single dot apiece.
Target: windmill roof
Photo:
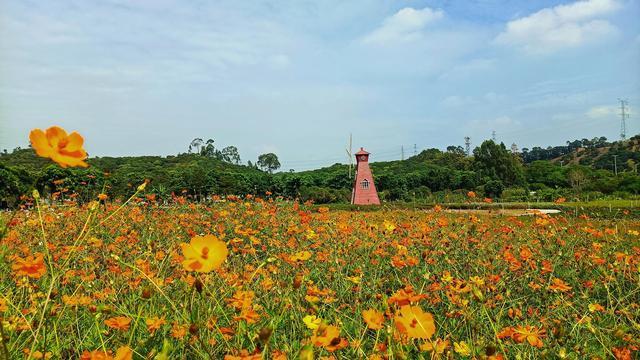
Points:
(362, 152)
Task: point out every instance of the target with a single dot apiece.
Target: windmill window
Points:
(364, 184)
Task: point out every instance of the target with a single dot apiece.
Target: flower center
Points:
(62, 143)
(414, 323)
(205, 253)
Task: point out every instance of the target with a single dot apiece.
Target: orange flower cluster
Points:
(31, 266)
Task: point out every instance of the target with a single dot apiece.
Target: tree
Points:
(577, 176)
(459, 150)
(495, 162)
(197, 144)
(230, 154)
(208, 149)
(268, 162)
(493, 188)
(10, 187)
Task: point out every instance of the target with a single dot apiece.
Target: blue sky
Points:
(296, 77)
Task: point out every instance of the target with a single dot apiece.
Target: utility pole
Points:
(402, 151)
(615, 164)
(467, 145)
(493, 136)
(415, 150)
(350, 155)
(624, 114)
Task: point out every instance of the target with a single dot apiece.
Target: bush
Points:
(493, 188)
(515, 194)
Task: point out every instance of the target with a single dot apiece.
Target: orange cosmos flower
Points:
(438, 346)
(30, 266)
(154, 324)
(3, 305)
(301, 256)
(178, 331)
(414, 322)
(118, 323)
(373, 318)
(55, 144)
(102, 197)
(123, 353)
(558, 285)
(328, 336)
(528, 333)
(204, 253)
(37, 354)
(324, 335)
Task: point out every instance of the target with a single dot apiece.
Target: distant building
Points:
(364, 190)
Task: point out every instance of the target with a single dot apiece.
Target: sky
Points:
(296, 77)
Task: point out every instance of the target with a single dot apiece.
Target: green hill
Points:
(582, 168)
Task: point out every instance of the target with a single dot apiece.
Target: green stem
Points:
(3, 339)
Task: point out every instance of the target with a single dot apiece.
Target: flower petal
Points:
(40, 143)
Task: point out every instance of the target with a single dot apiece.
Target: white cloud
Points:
(561, 26)
(455, 101)
(599, 112)
(404, 26)
(606, 112)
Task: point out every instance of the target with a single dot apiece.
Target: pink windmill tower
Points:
(364, 190)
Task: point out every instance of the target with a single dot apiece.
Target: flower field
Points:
(252, 278)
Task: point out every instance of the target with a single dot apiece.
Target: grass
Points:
(481, 277)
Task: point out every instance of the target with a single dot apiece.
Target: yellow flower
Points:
(55, 144)
(414, 322)
(354, 279)
(595, 307)
(389, 226)
(301, 256)
(438, 346)
(325, 335)
(446, 277)
(306, 353)
(462, 348)
(154, 324)
(124, 353)
(373, 318)
(312, 321)
(204, 254)
(531, 334)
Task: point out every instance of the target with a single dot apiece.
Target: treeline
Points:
(433, 175)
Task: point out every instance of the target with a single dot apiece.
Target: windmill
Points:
(350, 155)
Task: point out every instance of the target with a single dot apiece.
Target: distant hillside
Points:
(605, 157)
